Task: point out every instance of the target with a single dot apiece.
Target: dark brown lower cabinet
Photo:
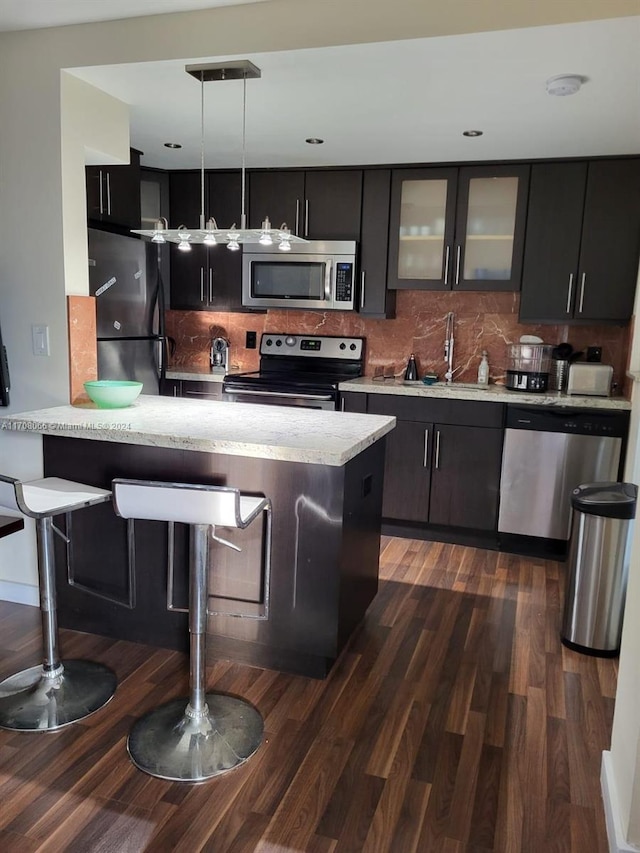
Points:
(407, 472)
(443, 462)
(465, 477)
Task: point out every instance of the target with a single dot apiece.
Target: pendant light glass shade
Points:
(209, 233)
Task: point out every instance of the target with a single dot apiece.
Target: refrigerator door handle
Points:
(161, 347)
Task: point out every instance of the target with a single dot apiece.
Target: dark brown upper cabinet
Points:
(457, 228)
(322, 204)
(582, 242)
(113, 195)
(205, 278)
(375, 300)
(328, 204)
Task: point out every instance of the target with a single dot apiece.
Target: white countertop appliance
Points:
(590, 379)
(528, 367)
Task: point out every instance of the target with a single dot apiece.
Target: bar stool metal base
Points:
(170, 743)
(33, 701)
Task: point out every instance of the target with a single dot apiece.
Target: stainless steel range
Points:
(298, 370)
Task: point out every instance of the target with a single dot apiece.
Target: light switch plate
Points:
(40, 340)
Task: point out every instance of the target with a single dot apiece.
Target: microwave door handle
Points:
(328, 281)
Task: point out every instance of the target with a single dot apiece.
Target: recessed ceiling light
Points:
(314, 140)
(564, 84)
(172, 145)
(472, 132)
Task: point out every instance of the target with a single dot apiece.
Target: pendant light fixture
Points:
(208, 232)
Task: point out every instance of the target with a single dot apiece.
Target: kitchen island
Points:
(323, 471)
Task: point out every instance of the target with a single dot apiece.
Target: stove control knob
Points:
(279, 342)
(290, 341)
(343, 345)
(352, 347)
(269, 342)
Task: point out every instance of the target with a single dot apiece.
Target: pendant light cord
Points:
(202, 150)
(243, 218)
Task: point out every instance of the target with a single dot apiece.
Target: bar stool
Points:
(213, 733)
(52, 695)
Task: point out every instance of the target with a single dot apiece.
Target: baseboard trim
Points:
(615, 835)
(19, 593)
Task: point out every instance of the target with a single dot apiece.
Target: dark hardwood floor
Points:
(454, 721)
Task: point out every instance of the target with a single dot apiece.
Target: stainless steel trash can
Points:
(598, 567)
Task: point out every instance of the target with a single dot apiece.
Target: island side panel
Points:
(360, 552)
(324, 564)
(104, 549)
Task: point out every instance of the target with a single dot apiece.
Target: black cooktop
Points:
(270, 379)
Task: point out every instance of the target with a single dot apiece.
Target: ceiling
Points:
(396, 102)
(35, 14)
(390, 102)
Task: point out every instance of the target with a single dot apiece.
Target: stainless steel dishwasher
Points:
(547, 453)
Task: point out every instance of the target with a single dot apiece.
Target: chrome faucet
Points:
(448, 346)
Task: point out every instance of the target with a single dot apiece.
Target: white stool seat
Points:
(48, 496)
(219, 506)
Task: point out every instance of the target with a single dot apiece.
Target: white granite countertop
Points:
(289, 434)
(470, 391)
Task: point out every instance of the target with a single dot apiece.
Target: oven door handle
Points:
(323, 397)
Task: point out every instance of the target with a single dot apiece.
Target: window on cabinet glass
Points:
(422, 219)
(490, 228)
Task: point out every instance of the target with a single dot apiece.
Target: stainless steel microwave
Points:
(318, 275)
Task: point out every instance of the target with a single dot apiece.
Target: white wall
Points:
(624, 759)
(95, 129)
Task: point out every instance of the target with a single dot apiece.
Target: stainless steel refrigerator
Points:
(124, 276)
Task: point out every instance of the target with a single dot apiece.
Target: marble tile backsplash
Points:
(83, 357)
(483, 321)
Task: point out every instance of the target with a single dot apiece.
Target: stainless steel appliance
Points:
(315, 275)
(125, 279)
(298, 370)
(590, 379)
(219, 355)
(548, 453)
(5, 384)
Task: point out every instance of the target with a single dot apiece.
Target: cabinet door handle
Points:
(426, 448)
(210, 286)
(297, 227)
(108, 195)
(446, 264)
(201, 284)
(362, 279)
(437, 464)
(569, 293)
(582, 283)
(175, 390)
(458, 250)
(101, 198)
(342, 405)
(306, 217)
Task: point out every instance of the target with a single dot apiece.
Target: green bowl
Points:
(113, 393)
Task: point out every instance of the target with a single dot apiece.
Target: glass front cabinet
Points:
(457, 228)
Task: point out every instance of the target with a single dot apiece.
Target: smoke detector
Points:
(564, 84)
